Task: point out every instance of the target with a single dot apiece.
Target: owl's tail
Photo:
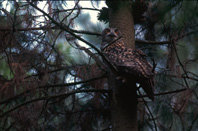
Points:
(148, 86)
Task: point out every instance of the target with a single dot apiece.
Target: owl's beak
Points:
(112, 35)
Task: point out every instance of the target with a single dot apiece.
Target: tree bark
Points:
(124, 98)
(124, 105)
(122, 18)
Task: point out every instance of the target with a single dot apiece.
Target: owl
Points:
(129, 62)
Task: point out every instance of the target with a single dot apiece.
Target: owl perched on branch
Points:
(129, 62)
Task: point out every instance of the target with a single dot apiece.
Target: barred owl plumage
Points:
(128, 61)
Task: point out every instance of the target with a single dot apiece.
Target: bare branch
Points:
(48, 86)
(166, 93)
(77, 37)
(54, 27)
(56, 96)
(152, 42)
(186, 82)
(97, 60)
(186, 77)
(148, 110)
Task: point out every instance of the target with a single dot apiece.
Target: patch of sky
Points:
(6, 5)
(34, 44)
(88, 21)
(13, 50)
(51, 58)
(70, 78)
(32, 71)
(139, 32)
(163, 47)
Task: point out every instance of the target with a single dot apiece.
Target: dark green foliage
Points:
(104, 15)
(138, 9)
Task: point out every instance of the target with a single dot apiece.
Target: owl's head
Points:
(109, 35)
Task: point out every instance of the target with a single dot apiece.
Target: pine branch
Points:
(55, 96)
(53, 27)
(76, 36)
(48, 86)
(179, 61)
(152, 42)
(193, 122)
(84, 32)
(148, 110)
(186, 77)
(165, 93)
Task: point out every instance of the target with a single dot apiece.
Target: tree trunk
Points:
(122, 18)
(124, 100)
(124, 105)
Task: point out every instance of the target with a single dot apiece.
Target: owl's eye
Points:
(116, 31)
(107, 31)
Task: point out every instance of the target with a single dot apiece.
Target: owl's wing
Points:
(130, 61)
(133, 63)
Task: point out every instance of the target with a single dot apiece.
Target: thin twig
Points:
(53, 27)
(47, 86)
(55, 96)
(186, 82)
(148, 110)
(193, 122)
(152, 42)
(97, 60)
(165, 93)
(77, 37)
